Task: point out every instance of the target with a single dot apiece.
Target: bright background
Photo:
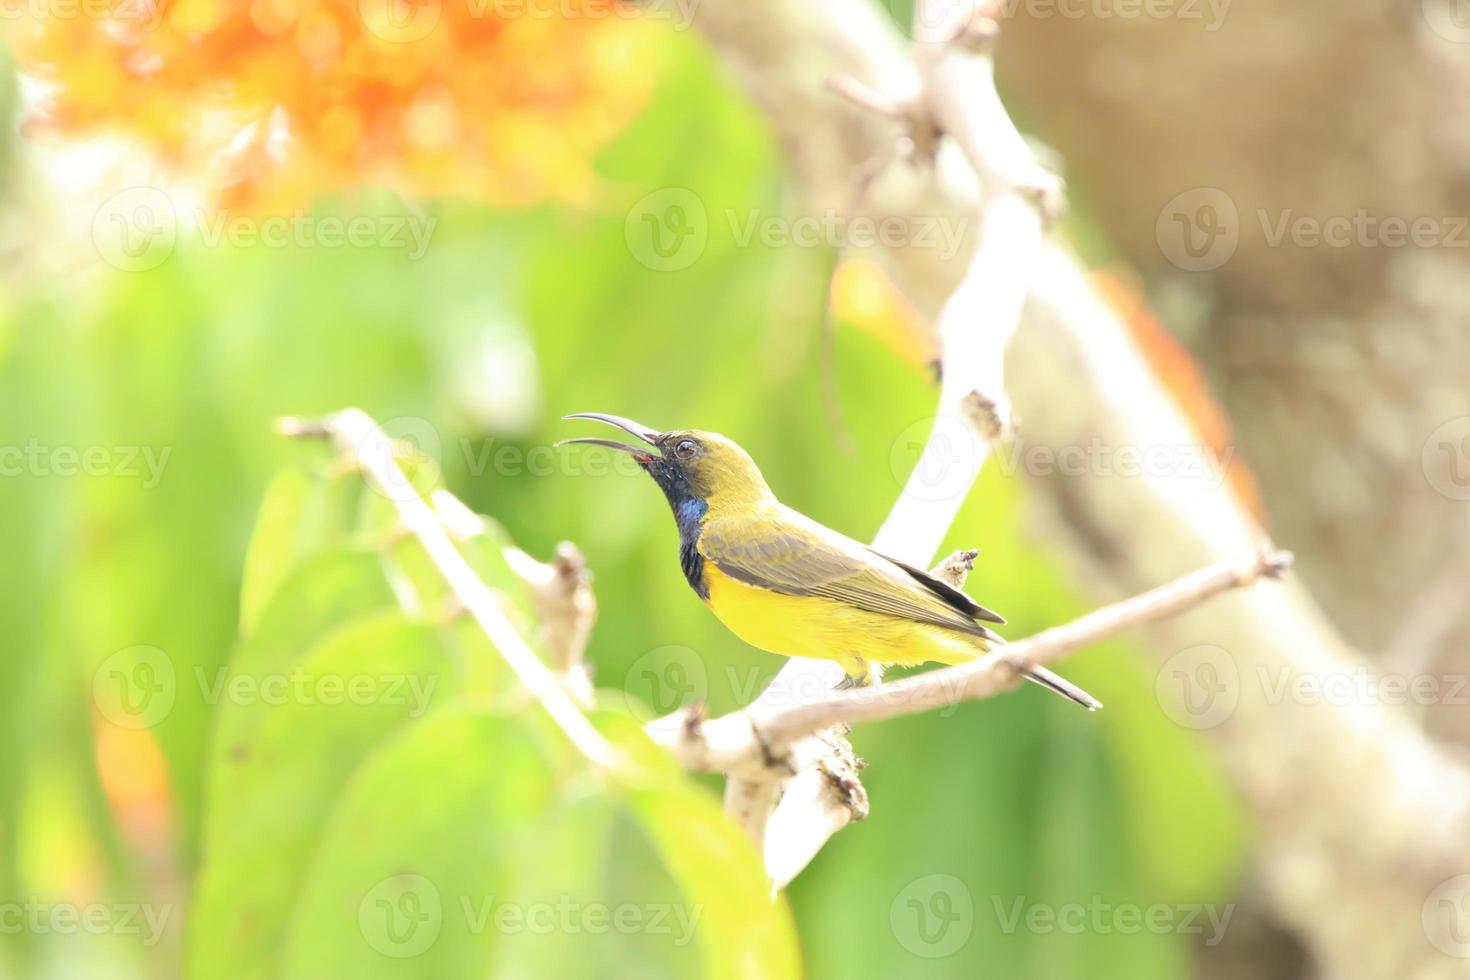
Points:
(531, 300)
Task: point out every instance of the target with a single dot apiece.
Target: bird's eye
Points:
(685, 449)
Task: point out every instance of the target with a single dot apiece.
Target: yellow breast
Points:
(804, 626)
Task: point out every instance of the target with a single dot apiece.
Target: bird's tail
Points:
(1050, 681)
(1062, 686)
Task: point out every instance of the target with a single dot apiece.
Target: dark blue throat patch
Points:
(689, 509)
(687, 514)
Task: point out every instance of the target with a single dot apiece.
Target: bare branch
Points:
(768, 743)
(561, 593)
(1314, 775)
(1003, 669)
(560, 590)
(902, 109)
(956, 98)
(356, 435)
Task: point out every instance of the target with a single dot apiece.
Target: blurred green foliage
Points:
(276, 821)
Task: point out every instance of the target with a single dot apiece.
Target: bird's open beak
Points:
(643, 432)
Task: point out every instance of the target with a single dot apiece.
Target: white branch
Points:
(353, 433)
(957, 98)
(565, 607)
(1314, 775)
(778, 740)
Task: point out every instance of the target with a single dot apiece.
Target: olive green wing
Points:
(791, 555)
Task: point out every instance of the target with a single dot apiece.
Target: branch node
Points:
(1016, 667)
(982, 30)
(293, 427)
(871, 99)
(849, 788)
(1275, 564)
(987, 415)
(921, 134)
(561, 592)
(1047, 192)
(694, 718)
(780, 762)
(956, 567)
(448, 611)
(393, 535)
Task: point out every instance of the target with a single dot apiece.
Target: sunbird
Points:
(788, 585)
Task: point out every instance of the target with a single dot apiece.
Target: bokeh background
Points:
(213, 214)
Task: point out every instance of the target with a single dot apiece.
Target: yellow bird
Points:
(786, 584)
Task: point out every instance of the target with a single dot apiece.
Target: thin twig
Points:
(957, 98)
(1002, 669)
(1313, 775)
(354, 434)
(871, 99)
(746, 741)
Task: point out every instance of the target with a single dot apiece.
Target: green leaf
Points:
(276, 787)
(426, 832)
(321, 595)
(303, 513)
(743, 930)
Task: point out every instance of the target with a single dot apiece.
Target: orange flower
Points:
(499, 100)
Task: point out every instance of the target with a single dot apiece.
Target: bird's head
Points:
(687, 464)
